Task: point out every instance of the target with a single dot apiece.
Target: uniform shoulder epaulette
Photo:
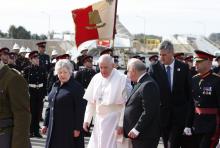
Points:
(16, 71)
(196, 75)
(215, 74)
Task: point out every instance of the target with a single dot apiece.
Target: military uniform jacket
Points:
(15, 104)
(22, 63)
(84, 76)
(206, 94)
(36, 75)
(45, 61)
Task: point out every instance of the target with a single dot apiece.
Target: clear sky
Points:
(159, 17)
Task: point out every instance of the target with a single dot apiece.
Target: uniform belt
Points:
(210, 111)
(36, 85)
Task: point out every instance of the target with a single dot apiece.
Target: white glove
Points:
(187, 131)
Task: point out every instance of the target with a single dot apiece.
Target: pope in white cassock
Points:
(106, 94)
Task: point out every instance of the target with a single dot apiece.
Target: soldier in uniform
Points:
(44, 58)
(116, 62)
(107, 51)
(14, 109)
(217, 69)
(85, 74)
(179, 56)
(36, 77)
(4, 52)
(11, 60)
(206, 95)
(153, 59)
(21, 61)
(143, 59)
(189, 60)
(79, 58)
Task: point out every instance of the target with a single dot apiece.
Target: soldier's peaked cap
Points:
(63, 56)
(178, 54)
(87, 58)
(189, 58)
(106, 51)
(201, 55)
(5, 50)
(83, 50)
(136, 56)
(41, 44)
(33, 54)
(153, 57)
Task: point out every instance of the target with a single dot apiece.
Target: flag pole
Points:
(114, 28)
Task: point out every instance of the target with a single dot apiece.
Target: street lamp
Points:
(144, 19)
(48, 22)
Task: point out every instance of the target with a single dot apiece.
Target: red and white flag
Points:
(96, 21)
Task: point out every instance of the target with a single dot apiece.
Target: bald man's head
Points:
(135, 69)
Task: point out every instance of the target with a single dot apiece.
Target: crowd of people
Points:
(172, 98)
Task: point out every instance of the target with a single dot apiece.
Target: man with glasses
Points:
(174, 80)
(36, 77)
(206, 94)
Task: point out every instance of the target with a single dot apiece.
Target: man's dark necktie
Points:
(168, 75)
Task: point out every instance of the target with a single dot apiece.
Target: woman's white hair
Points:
(63, 63)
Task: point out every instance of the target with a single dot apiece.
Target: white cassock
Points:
(106, 98)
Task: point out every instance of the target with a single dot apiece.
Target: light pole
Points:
(144, 19)
(48, 15)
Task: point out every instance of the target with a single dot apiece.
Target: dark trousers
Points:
(146, 143)
(173, 137)
(35, 106)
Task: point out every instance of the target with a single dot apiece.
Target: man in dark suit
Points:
(174, 80)
(141, 117)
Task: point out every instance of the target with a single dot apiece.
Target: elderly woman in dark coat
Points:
(64, 116)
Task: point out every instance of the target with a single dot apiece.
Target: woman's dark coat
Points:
(64, 115)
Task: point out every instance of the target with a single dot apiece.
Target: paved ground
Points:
(40, 142)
